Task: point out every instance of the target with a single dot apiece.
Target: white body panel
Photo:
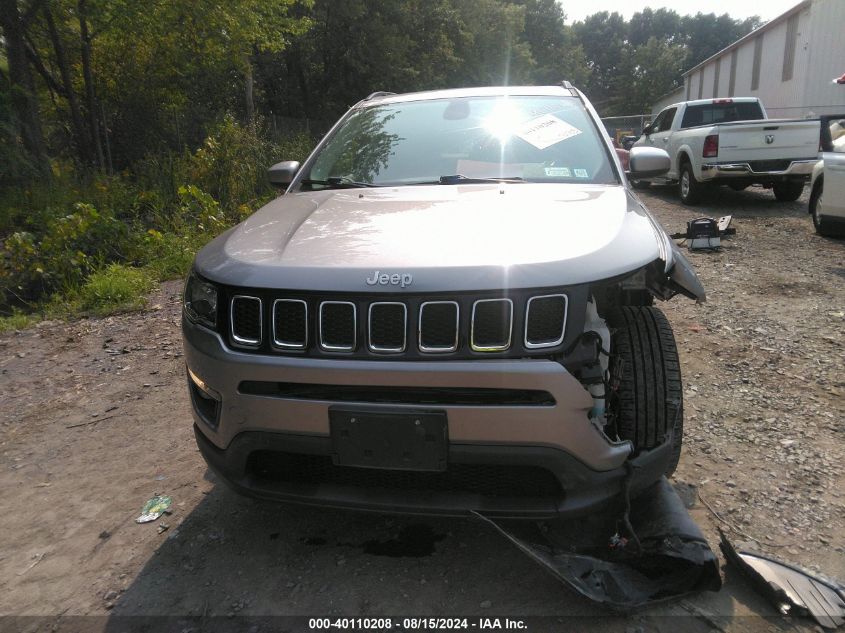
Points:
(833, 201)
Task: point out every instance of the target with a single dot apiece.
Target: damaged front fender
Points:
(682, 277)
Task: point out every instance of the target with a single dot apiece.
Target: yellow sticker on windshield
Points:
(545, 131)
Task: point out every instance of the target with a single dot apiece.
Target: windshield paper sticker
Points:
(558, 172)
(581, 173)
(545, 131)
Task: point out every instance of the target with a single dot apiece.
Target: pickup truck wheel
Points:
(688, 187)
(646, 398)
(640, 184)
(788, 191)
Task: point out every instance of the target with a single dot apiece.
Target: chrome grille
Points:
(290, 323)
(388, 326)
(438, 326)
(492, 322)
(338, 325)
(513, 323)
(545, 321)
(245, 320)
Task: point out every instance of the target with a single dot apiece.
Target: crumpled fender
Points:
(682, 276)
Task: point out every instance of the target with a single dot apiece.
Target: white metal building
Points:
(668, 99)
(789, 63)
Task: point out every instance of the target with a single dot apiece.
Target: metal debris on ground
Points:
(154, 508)
(706, 233)
(791, 589)
(664, 555)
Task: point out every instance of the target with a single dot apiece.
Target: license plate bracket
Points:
(395, 440)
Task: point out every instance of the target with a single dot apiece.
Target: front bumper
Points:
(560, 438)
(582, 491)
(797, 170)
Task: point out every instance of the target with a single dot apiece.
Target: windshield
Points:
(445, 141)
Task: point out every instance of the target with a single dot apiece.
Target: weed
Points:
(116, 288)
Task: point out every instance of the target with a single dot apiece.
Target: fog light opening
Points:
(206, 401)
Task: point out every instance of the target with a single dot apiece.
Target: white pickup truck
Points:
(732, 142)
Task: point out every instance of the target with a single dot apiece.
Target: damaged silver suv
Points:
(449, 310)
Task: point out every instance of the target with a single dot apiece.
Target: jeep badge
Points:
(383, 279)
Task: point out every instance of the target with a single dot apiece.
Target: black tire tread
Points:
(788, 191)
(650, 392)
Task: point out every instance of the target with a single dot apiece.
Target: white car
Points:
(827, 200)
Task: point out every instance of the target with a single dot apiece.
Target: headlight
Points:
(201, 301)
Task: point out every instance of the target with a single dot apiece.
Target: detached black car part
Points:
(706, 233)
(663, 556)
(792, 590)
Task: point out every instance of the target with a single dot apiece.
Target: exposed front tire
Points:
(788, 191)
(822, 227)
(646, 398)
(689, 188)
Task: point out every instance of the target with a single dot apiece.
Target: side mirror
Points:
(647, 130)
(282, 174)
(645, 162)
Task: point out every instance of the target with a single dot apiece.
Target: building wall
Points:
(819, 55)
(825, 59)
(666, 100)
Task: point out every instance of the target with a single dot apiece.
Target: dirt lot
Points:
(95, 419)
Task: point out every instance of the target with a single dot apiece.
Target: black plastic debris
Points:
(658, 554)
(792, 590)
(706, 233)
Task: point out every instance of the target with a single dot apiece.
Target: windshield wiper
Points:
(456, 179)
(338, 182)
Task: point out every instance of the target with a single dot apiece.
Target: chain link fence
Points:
(628, 125)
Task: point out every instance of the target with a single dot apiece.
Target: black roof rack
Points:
(380, 93)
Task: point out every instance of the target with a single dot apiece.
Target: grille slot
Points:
(290, 323)
(488, 480)
(545, 321)
(492, 322)
(338, 326)
(388, 326)
(439, 326)
(245, 320)
(426, 396)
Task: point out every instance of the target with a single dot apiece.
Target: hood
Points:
(435, 238)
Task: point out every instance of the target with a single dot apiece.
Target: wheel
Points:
(822, 227)
(688, 187)
(788, 191)
(640, 184)
(646, 398)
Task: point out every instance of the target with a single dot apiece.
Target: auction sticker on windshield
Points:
(546, 130)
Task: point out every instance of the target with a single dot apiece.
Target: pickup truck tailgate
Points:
(769, 140)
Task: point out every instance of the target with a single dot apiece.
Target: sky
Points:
(578, 9)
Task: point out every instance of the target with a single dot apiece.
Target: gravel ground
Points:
(95, 420)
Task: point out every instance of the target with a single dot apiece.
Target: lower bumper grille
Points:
(482, 479)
